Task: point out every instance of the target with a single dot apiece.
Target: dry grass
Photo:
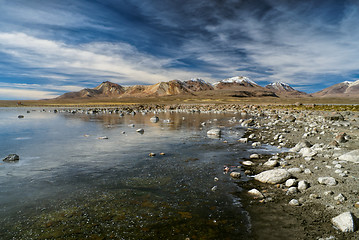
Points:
(168, 100)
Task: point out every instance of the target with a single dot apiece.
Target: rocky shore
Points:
(314, 181)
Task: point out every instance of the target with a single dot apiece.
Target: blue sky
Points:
(48, 47)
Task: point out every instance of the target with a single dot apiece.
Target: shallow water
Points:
(71, 184)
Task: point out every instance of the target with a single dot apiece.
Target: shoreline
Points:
(331, 135)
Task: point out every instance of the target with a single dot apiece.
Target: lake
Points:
(90, 176)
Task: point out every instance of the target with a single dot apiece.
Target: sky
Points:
(49, 47)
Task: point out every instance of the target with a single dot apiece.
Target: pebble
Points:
(292, 190)
(302, 185)
(294, 202)
(254, 156)
(248, 163)
(290, 182)
(330, 181)
(256, 193)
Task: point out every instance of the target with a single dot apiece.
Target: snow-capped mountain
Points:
(343, 89)
(280, 86)
(239, 81)
(284, 89)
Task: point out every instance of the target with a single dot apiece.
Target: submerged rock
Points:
(214, 132)
(345, 222)
(12, 158)
(140, 130)
(154, 119)
(235, 174)
(273, 176)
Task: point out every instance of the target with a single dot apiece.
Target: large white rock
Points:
(345, 222)
(330, 181)
(352, 156)
(273, 176)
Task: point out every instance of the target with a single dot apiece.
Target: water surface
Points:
(71, 183)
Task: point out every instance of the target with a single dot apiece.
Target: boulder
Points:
(273, 176)
(345, 222)
(12, 158)
(330, 181)
(352, 156)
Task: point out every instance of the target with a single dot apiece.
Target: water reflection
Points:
(70, 183)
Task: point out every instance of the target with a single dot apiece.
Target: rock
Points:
(330, 181)
(307, 171)
(302, 185)
(292, 190)
(154, 119)
(152, 154)
(256, 194)
(290, 182)
(307, 152)
(254, 156)
(352, 156)
(214, 132)
(273, 176)
(300, 145)
(334, 144)
(248, 163)
(294, 202)
(20, 116)
(247, 123)
(140, 130)
(271, 163)
(235, 174)
(340, 198)
(104, 137)
(214, 188)
(243, 140)
(295, 170)
(345, 222)
(256, 144)
(334, 116)
(12, 158)
(340, 138)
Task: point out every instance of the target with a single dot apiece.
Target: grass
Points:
(272, 102)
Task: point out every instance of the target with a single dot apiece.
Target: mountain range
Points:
(235, 87)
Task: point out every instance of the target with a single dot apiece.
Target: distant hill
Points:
(343, 89)
(284, 89)
(232, 87)
(197, 84)
(105, 89)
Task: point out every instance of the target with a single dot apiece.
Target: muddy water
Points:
(70, 183)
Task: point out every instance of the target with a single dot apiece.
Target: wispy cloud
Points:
(121, 62)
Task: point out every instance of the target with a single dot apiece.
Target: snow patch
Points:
(239, 79)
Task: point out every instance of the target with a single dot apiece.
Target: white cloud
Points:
(118, 61)
(25, 94)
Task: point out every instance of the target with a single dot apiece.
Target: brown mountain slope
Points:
(344, 89)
